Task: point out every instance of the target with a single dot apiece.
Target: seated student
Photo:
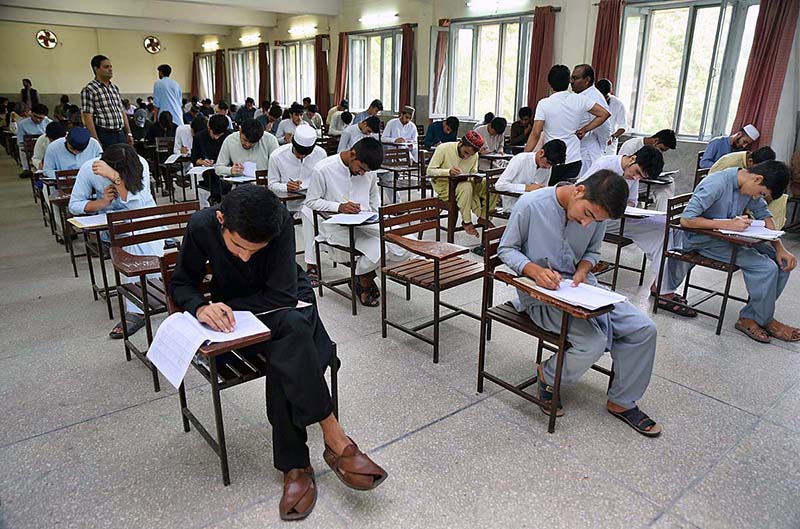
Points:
(356, 132)
(441, 132)
(402, 130)
(529, 171)
(647, 233)
(663, 140)
(60, 112)
(306, 103)
(34, 125)
(222, 110)
(719, 202)
(487, 118)
(722, 145)
(190, 114)
(120, 180)
(206, 108)
(347, 183)
(286, 126)
(374, 109)
(312, 117)
(163, 128)
(246, 112)
(335, 126)
(250, 144)
(140, 125)
(206, 145)
(521, 129)
(555, 233)
(53, 131)
(249, 243)
(184, 135)
(455, 158)
(493, 139)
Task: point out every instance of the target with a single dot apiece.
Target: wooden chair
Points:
(261, 178)
(699, 173)
(439, 269)
(423, 159)
(224, 366)
(620, 241)
(137, 226)
(404, 174)
(450, 204)
(492, 176)
(165, 174)
(28, 143)
(675, 207)
(506, 314)
(65, 181)
(350, 250)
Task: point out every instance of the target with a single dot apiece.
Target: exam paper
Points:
(249, 169)
(586, 296)
(352, 218)
(757, 230)
(640, 212)
(198, 170)
(172, 158)
(88, 221)
(240, 179)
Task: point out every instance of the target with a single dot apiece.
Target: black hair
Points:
(252, 212)
(555, 151)
(96, 61)
(64, 98)
(604, 86)
(55, 130)
(183, 101)
(370, 152)
(194, 99)
(666, 137)
(453, 123)
(222, 104)
(142, 104)
(307, 99)
(199, 124)
(347, 117)
(253, 130)
(40, 108)
(650, 160)
(488, 117)
(608, 190)
(165, 120)
(28, 80)
(499, 125)
(374, 124)
(296, 108)
(377, 103)
(123, 159)
(249, 100)
(313, 108)
(776, 176)
(558, 78)
(275, 111)
(218, 123)
(763, 154)
(587, 71)
(165, 69)
(525, 112)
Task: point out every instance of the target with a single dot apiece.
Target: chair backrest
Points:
(169, 262)
(65, 179)
(137, 226)
(420, 130)
(424, 159)
(396, 157)
(675, 207)
(165, 143)
(699, 157)
(416, 216)
(261, 178)
(29, 142)
(491, 242)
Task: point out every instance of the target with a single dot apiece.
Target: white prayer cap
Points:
(305, 135)
(751, 131)
(408, 109)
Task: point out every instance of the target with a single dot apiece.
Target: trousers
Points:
(470, 197)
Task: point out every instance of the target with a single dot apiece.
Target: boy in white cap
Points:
(402, 130)
(290, 171)
(722, 145)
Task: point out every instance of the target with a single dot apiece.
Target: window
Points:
(374, 69)
(205, 72)
(244, 74)
(487, 68)
(681, 65)
(293, 71)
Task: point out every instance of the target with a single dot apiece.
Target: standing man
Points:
(402, 131)
(101, 106)
(592, 144)
(28, 94)
(722, 145)
(619, 116)
(167, 94)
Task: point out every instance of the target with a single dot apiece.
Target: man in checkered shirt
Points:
(101, 106)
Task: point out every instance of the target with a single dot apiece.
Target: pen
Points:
(547, 262)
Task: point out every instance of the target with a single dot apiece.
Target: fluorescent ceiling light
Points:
(302, 30)
(250, 39)
(210, 45)
(492, 4)
(378, 18)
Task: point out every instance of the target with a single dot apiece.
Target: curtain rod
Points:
(378, 30)
(556, 9)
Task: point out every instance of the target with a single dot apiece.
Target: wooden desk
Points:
(94, 248)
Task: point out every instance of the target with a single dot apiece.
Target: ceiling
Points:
(194, 17)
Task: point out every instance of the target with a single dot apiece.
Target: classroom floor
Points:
(85, 442)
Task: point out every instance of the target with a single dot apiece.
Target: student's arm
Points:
(316, 191)
(127, 127)
(435, 167)
(189, 273)
(222, 165)
(600, 114)
(703, 198)
(374, 194)
(517, 135)
(510, 250)
(49, 167)
(428, 140)
(506, 182)
(785, 259)
(274, 177)
(533, 137)
(709, 156)
(80, 199)
(388, 135)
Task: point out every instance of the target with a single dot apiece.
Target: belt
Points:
(112, 131)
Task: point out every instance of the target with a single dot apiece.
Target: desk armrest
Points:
(131, 265)
(572, 310)
(739, 240)
(218, 348)
(438, 251)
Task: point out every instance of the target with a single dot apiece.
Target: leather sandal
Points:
(354, 468)
(783, 332)
(753, 330)
(299, 494)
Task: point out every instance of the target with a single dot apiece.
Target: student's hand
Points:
(293, 185)
(130, 139)
(101, 168)
(349, 207)
(580, 133)
(579, 277)
(287, 138)
(184, 150)
(532, 187)
(546, 278)
(109, 194)
(610, 141)
(484, 150)
(208, 163)
(737, 224)
(218, 316)
(237, 169)
(455, 171)
(400, 140)
(785, 260)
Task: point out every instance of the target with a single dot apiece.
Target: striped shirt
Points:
(103, 103)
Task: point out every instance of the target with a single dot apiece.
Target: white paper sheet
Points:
(352, 218)
(172, 158)
(88, 221)
(757, 230)
(249, 169)
(240, 179)
(640, 212)
(199, 170)
(583, 295)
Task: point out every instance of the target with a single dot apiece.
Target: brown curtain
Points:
(606, 39)
(219, 76)
(406, 64)
(263, 73)
(321, 94)
(193, 87)
(766, 67)
(340, 87)
(542, 33)
(442, 39)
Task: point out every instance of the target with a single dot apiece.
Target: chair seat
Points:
(615, 238)
(696, 259)
(234, 369)
(452, 272)
(508, 315)
(156, 296)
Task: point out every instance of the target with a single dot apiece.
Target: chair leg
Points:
(101, 253)
(122, 313)
(482, 349)
(562, 349)
(642, 271)
(436, 317)
(182, 398)
(353, 279)
(726, 293)
(223, 451)
(149, 330)
(384, 308)
(319, 266)
(334, 364)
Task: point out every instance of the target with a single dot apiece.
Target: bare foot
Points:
(470, 229)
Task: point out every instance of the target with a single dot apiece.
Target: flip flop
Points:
(313, 276)
(134, 321)
(639, 421)
(674, 306)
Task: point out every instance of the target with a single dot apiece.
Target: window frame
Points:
(360, 72)
(300, 59)
(201, 87)
(232, 53)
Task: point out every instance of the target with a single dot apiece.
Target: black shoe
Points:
(26, 174)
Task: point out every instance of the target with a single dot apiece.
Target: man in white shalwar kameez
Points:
(593, 143)
(402, 131)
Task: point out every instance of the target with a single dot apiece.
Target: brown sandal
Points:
(354, 468)
(783, 332)
(753, 330)
(299, 494)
